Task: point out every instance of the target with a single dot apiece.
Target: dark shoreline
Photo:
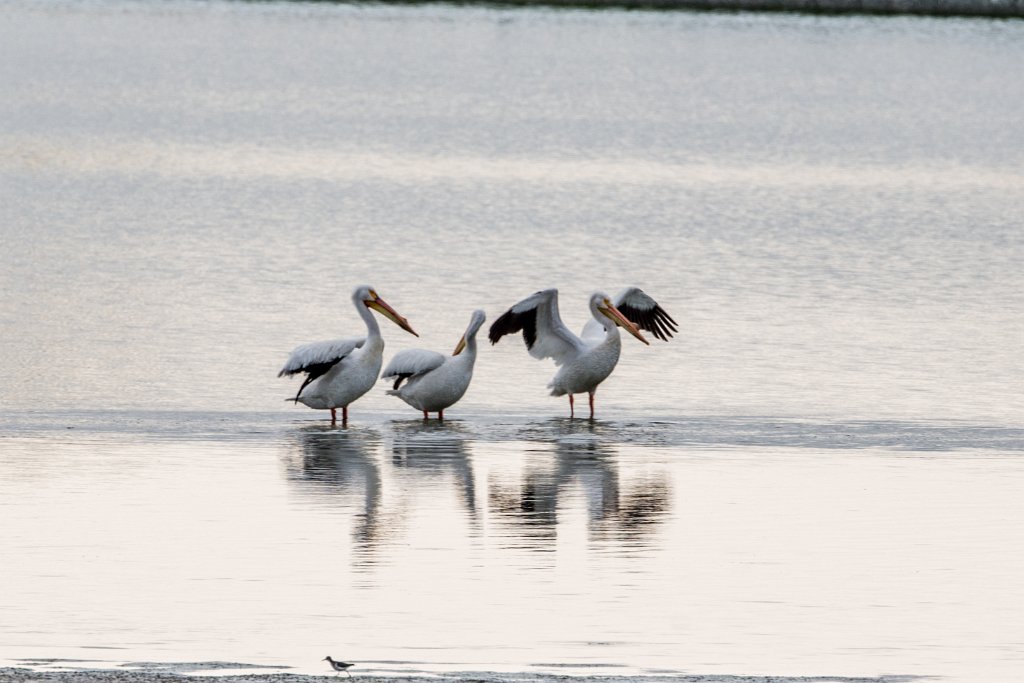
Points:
(20, 675)
(992, 9)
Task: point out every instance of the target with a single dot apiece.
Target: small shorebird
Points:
(339, 666)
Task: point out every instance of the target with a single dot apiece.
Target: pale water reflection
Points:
(622, 517)
(429, 450)
(351, 468)
(497, 544)
(342, 469)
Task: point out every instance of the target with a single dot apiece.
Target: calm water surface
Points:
(819, 476)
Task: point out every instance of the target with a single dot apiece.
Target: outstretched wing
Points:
(412, 362)
(545, 334)
(644, 312)
(641, 310)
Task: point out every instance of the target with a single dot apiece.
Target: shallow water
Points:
(702, 546)
(817, 477)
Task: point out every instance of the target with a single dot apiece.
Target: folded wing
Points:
(410, 363)
(317, 358)
(309, 357)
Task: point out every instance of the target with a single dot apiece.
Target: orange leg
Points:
(591, 405)
(344, 415)
(572, 409)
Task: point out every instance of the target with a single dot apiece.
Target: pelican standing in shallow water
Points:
(341, 370)
(435, 381)
(585, 361)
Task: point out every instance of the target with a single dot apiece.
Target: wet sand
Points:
(19, 675)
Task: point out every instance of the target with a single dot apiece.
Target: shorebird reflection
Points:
(436, 449)
(328, 463)
(627, 514)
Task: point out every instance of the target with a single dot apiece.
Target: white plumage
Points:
(586, 361)
(341, 370)
(315, 353)
(435, 381)
(550, 337)
(413, 362)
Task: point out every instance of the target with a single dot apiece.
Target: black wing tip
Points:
(510, 323)
(666, 327)
(655, 320)
(507, 323)
(530, 330)
(663, 326)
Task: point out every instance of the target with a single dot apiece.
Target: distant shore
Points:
(997, 9)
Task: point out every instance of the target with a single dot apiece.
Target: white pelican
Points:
(341, 370)
(585, 361)
(435, 381)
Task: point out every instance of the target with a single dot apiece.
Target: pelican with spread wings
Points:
(585, 361)
(435, 381)
(341, 370)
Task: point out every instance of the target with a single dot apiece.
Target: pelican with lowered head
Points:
(585, 361)
(341, 370)
(435, 381)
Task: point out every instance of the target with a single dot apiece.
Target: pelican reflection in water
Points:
(626, 513)
(436, 450)
(392, 475)
(328, 463)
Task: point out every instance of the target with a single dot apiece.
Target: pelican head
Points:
(368, 296)
(475, 321)
(601, 305)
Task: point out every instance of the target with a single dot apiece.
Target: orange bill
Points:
(622, 321)
(391, 314)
